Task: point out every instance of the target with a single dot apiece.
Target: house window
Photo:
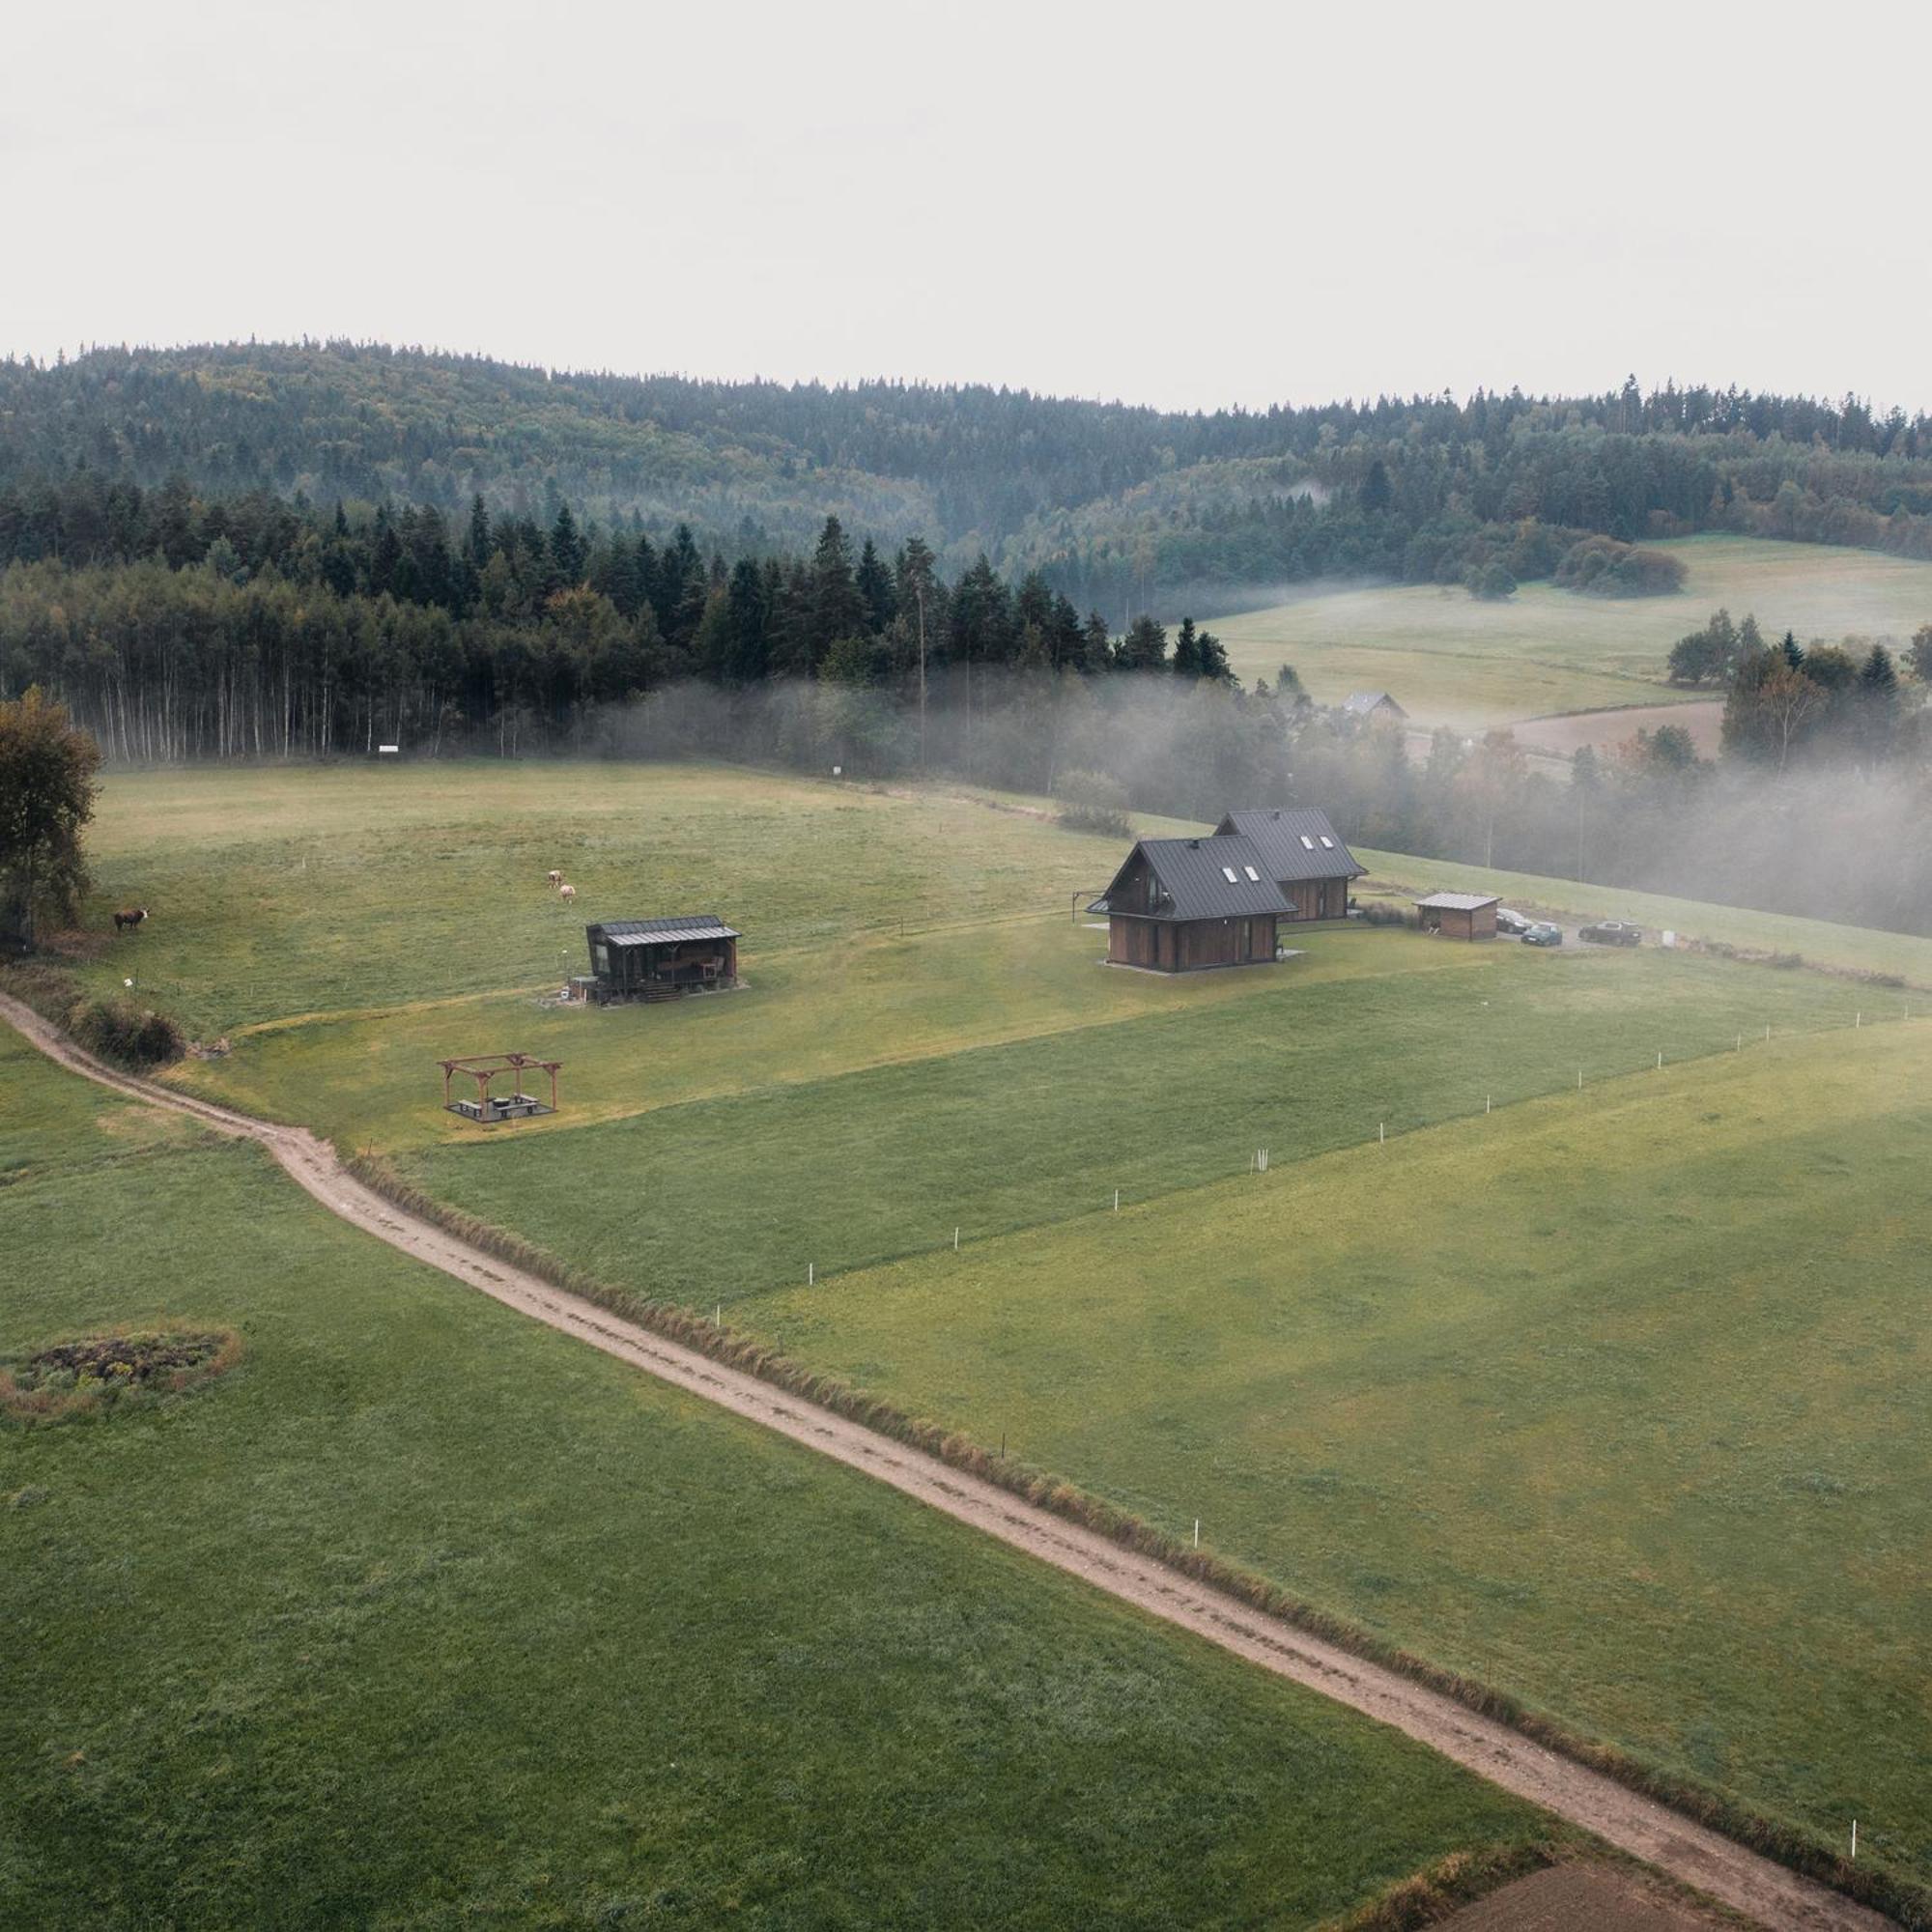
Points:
(1307, 841)
(1327, 844)
(1253, 875)
(1228, 873)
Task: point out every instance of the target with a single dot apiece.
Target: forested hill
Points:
(1115, 503)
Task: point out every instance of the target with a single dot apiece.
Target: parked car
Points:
(1543, 933)
(1612, 932)
(1514, 924)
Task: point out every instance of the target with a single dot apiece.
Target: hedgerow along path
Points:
(1692, 1854)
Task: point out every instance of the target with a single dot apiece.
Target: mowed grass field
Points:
(1617, 1399)
(1656, 1365)
(424, 1615)
(1452, 659)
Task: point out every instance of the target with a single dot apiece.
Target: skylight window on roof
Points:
(1251, 874)
(1308, 842)
(1327, 844)
(1228, 873)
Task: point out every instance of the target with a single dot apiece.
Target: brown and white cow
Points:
(555, 880)
(123, 920)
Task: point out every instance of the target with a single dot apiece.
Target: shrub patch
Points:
(87, 1374)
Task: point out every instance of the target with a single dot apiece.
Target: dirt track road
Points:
(1767, 1891)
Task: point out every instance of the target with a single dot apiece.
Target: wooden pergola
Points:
(489, 1106)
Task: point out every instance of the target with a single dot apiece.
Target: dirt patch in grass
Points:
(88, 1374)
(1607, 1898)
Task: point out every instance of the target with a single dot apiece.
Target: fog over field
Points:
(1830, 843)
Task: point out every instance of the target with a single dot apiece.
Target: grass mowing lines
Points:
(743, 1192)
(1614, 1402)
(802, 1016)
(431, 1616)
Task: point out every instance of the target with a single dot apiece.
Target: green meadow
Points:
(1611, 1398)
(423, 1615)
(1617, 1399)
(1371, 1032)
(1453, 660)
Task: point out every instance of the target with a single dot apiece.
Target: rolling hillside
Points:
(1451, 659)
(1710, 1262)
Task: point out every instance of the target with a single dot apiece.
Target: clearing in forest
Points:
(1452, 659)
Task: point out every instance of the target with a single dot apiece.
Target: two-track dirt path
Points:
(1690, 1851)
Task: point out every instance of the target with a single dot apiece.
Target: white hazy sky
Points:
(1189, 205)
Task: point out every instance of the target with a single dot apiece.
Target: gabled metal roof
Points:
(663, 932)
(1458, 901)
(1280, 834)
(1193, 881)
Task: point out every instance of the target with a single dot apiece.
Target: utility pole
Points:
(919, 598)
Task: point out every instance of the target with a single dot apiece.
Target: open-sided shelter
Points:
(661, 958)
(490, 1106)
(1303, 855)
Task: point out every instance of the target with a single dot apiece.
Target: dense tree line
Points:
(254, 628)
(1114, 505)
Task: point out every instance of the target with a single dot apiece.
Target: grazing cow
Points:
(123, 920)
(555, 880)
(565, 890)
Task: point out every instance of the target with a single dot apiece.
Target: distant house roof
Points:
(1457, 901)
(1297, 842)
(660, 931)
(1193, 875)
(1363, 704)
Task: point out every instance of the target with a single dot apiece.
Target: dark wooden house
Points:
(1458, 915)
(661, 958)
(1303, 855)
(1182, 905)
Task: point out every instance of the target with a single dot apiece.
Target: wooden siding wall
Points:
(1481, 924)
(1171, 945)
(1316, 898)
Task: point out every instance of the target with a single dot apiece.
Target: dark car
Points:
(1543, 933)
(1514, 924)
(1612, 932)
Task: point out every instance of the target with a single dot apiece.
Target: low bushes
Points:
(130, 1036)
(92, 1374)
(116, 1030)
(1384, 912)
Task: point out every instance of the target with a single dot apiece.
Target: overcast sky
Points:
(1188, 205)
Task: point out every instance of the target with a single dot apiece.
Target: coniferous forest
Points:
(310, 551)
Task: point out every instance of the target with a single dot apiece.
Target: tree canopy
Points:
(46, 797)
